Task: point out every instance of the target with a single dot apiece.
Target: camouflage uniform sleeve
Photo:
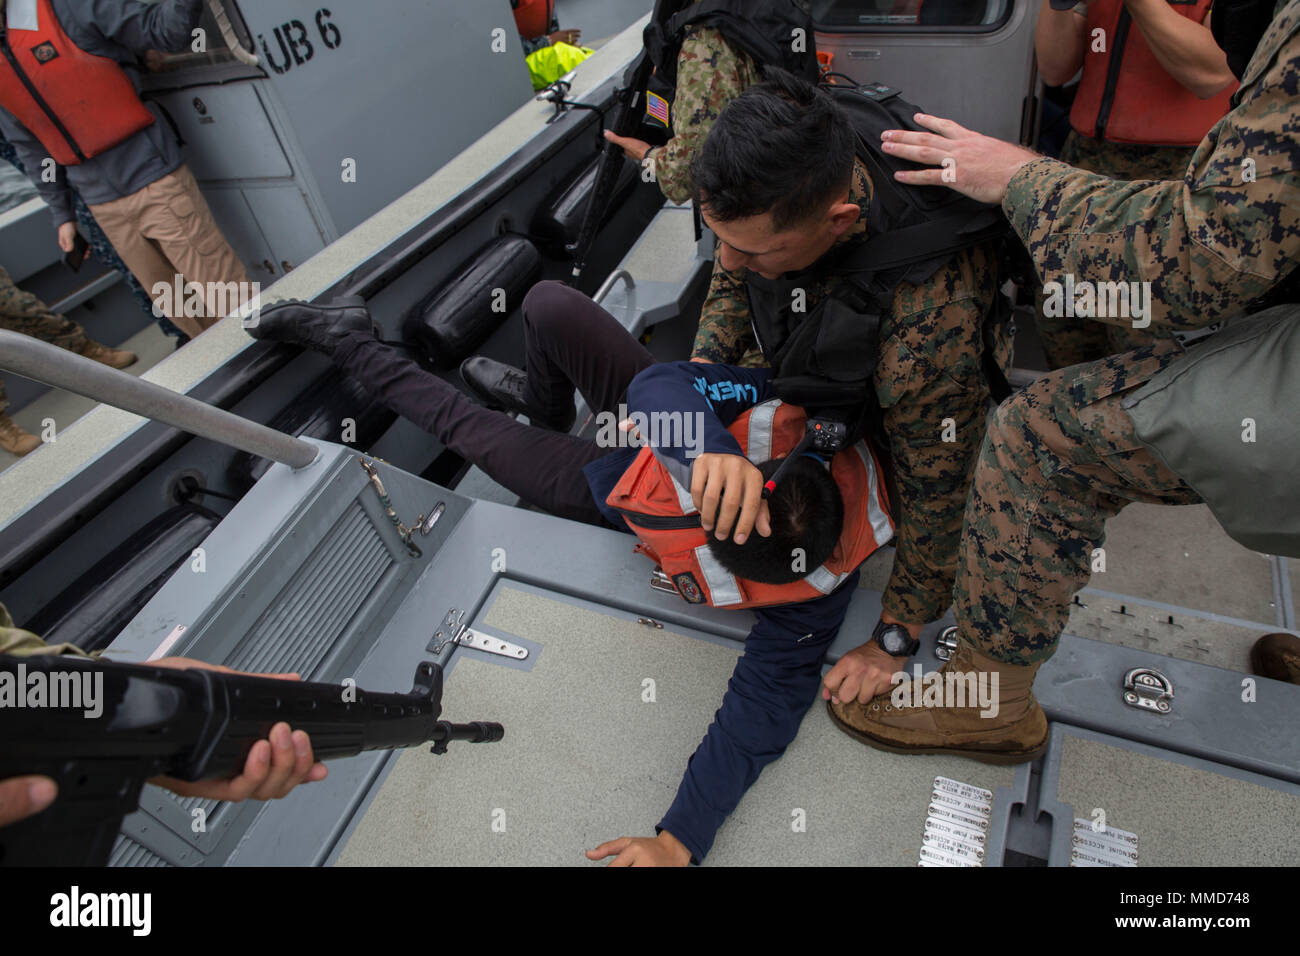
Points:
(20, 643)
(1209, 244)
(931, 388)
(725, 334)
(710, 74)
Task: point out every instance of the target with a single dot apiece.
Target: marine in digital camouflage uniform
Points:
(710, 74)
(1209, 245)
(1062, 455)
(929, 370)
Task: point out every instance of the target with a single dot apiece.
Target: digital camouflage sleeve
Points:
(710, 74)
(1209, 244)
(725, 335)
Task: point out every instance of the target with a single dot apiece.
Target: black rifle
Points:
(627, 121)
(132, 723)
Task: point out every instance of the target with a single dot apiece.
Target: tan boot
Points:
(14, 440)
(114, 358)
(930, 722)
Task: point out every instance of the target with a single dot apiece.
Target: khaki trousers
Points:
(166, 230)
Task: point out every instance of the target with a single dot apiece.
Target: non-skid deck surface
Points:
(1182, 815)
(1145, 627)
(586, 759)
(1181, 555)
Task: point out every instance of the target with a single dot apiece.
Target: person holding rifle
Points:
(275, 766)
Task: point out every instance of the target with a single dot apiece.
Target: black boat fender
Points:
(559, 218)
(457, 317)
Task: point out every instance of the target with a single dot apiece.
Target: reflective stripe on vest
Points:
(881, 526)
(1126, 96)
(825, 580)
(723, 587)
(21, 15)
(76, 104)
(760, 431)
(683, 493)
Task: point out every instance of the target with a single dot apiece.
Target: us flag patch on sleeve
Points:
(657, 107)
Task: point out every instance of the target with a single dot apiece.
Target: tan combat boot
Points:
(930, 724)
(114, 358)
(14, 440)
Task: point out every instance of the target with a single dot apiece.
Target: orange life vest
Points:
(78, 105)
(533, 17)
(1126, 96)
(659, 510)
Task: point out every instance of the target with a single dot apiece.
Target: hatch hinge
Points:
(453, 630)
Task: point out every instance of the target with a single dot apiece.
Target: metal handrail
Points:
(608, 284)
(51, 365)
(236, 46)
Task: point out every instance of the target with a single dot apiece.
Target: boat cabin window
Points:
(878, 16)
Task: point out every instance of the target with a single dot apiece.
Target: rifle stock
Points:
(131, 723)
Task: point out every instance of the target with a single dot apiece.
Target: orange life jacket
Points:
(659, 510)
(1126, 96)
(533, 17)
(78, 105)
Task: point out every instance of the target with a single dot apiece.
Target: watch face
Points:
(895, 640)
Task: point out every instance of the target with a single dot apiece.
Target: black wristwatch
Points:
(894, 640)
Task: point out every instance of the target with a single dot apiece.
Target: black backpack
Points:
(763, 29)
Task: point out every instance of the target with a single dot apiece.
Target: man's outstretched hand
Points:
(975, 165)
(663, 850)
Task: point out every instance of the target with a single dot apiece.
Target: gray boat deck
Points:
(588, 758)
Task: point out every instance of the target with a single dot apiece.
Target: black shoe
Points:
(315, 327)
(503, 386)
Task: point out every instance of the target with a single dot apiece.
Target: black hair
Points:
(806, 511)
(783, 146)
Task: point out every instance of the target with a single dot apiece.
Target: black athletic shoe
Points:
(502, 386)
(315, 327)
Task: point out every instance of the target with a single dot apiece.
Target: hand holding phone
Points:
(74, 246)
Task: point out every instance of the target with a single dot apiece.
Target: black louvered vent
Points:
(302, 624)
